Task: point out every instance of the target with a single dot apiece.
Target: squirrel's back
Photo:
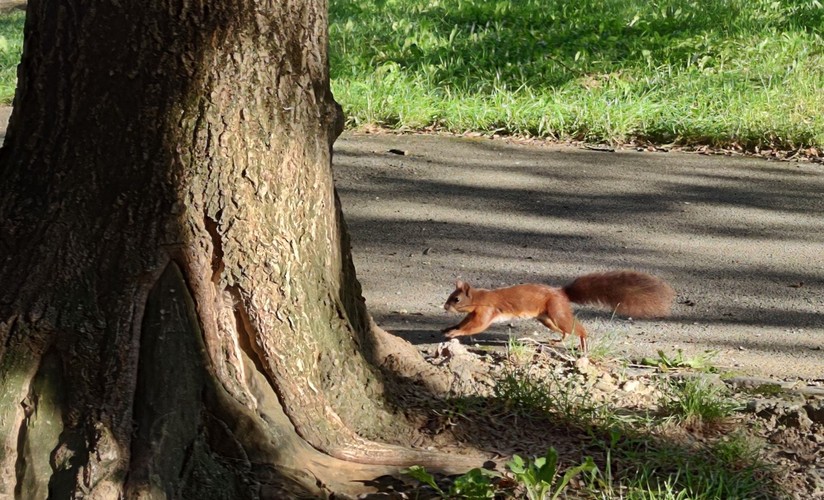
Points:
(629, 293)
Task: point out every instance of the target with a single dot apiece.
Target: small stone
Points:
(631, 385)
(589, 371)
(605, 385)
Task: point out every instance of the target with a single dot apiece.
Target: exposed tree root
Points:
(251, 433)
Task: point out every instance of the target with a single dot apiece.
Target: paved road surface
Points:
(741, 240)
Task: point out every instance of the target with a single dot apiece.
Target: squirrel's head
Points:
(460, 298)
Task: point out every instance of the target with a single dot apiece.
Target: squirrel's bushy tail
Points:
(629, 293)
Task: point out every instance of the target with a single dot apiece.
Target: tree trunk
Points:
(179, 313)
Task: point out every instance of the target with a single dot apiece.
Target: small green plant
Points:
(419, 473)
(701, 363)
(475, 484)
(737, 449)
(695, 401)
(604, 481)
(538, 476)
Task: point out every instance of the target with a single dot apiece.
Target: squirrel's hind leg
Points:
(549, 323)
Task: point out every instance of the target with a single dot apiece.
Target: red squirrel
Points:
(629, 293)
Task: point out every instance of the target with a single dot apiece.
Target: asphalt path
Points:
(740, 239)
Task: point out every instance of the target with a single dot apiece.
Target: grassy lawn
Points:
(722, 72)
(718, 72)
(11, 45)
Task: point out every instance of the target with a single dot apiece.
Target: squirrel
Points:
(628, 293)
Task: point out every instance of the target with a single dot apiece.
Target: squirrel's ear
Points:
(461, 285)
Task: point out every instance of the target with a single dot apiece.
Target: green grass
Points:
(11, 45)
(701, 362)
(716, 71)
(558, 397)
(696, 402)
(727, 468)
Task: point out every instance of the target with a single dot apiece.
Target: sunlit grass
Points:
(11, 45)
(695, 402)
(718, 72)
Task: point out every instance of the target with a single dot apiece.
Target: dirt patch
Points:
(12, 4)
(597, 402)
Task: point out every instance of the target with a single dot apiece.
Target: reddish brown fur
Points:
(628, 292)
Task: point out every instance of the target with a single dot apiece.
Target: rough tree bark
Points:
(179, 313)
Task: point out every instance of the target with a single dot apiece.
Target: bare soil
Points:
(740, 239)
(12, 4)
(785, 427)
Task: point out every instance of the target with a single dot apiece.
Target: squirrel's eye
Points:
(454, 299)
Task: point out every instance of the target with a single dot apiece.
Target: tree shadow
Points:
(727, 233)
